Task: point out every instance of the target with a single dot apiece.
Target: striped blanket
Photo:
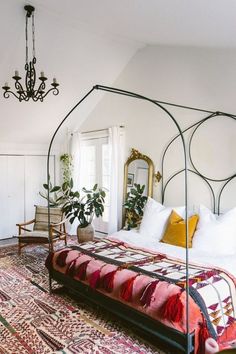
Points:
(155, 285)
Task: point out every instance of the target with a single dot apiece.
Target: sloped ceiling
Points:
(78, 57)
(85, 42)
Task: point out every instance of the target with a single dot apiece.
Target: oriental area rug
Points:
(34, 322)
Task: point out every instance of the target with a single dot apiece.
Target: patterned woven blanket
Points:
(155, 284)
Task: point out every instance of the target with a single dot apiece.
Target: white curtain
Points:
(75, 150)
(116, 148)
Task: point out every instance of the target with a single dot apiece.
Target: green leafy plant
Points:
(83, 206)
(58, 195)
(55, 194)
(134, 206)
(67, 166)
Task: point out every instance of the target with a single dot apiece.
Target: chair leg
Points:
(19, 248)
(50, 284)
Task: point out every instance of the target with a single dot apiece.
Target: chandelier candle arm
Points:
(30, 91)
(6, 86)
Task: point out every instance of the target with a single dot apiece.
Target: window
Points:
(95, 168)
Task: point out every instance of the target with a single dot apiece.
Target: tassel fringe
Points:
(61, 259)
(146, 297)
(108, 281)
(172, 309)
(203, 335)
(81, 270)
(71, 270)
(94, 280)
(127, 289)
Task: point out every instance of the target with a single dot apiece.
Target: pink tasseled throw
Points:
(155, 284)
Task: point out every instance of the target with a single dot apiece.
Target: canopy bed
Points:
(147, 279)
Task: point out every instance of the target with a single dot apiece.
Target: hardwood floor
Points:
(8, 241)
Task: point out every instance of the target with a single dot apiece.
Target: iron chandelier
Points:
(36, 94)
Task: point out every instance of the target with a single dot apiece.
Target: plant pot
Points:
(86, 233)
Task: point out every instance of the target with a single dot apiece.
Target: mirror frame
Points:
(136, 155)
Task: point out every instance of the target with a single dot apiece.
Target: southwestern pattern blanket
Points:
(155, 285)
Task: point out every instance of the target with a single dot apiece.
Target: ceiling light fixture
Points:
(30, 78)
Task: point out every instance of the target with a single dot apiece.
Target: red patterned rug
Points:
(32, 321)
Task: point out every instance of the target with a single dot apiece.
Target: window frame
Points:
(97, 139)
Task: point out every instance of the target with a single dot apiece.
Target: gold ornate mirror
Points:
(139, 169)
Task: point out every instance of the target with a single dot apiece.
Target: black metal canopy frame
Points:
(184, 170)
(216, 199)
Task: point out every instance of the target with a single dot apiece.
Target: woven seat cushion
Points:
(41, 217)
(34, 237)
(34, 234)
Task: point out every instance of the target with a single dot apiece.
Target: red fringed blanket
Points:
(155, 285)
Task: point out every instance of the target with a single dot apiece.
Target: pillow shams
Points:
(216, 234)
(155, 219)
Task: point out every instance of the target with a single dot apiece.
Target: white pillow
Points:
(155, 218)
(215, 234)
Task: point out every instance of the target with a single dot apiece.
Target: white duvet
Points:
(227, 263)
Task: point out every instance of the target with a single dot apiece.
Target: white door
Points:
(21, 179)
(11, 194)
(4, 224)
(35, 177)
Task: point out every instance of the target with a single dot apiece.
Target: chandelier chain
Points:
(26, 40)
(33, 35)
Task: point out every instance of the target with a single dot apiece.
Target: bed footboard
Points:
(149, 328)
(148, 290)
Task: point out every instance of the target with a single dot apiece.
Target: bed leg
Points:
(50, 284)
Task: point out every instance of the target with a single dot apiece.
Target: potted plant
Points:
(83, 207)
(134, 206)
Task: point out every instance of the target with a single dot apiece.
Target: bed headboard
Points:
(215, 185)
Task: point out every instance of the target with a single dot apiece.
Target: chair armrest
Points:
(52, 225)
(59, 229)
(20, 226)
(24, 229)
(57, 232)
(26, 223)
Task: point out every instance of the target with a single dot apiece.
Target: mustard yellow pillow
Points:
(175, 230)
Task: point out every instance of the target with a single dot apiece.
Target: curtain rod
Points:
(98, 130)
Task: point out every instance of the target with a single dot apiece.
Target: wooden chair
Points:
(40, 233)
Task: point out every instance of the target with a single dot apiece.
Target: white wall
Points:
(196, 77)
